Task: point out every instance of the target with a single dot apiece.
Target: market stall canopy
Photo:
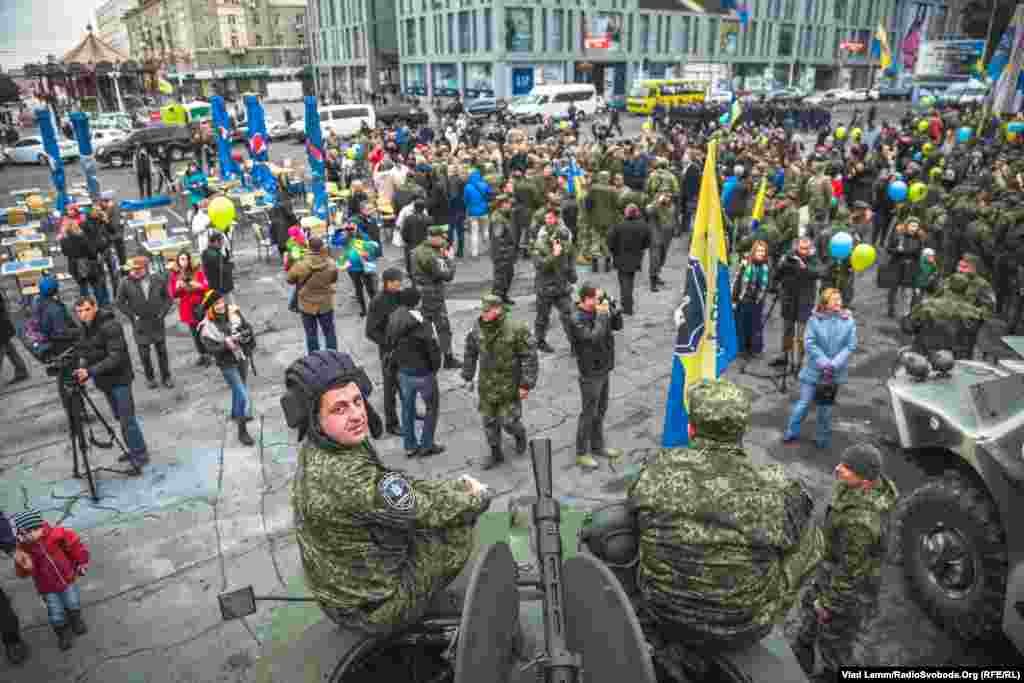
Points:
(93, 50)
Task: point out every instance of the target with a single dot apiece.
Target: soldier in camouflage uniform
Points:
(953, 317)
(376, 545)
(554, 264)
(508, 372)
(603, 203)
(432, 268)
(503, 247)
(724, 544)
(844, 593)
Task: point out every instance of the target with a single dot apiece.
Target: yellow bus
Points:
(645, 95)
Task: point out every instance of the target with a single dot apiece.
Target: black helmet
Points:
(308, 378)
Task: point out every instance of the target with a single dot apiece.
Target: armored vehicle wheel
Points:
(954, 555)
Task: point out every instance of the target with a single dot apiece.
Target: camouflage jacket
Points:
(507, 354)
(430, 272)
(724, 544)
(503, 238)
(604, 205)
(368, 536)
(661, 181)
(977, 293)
(553, 274)
(856, 537)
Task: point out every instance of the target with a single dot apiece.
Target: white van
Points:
(554, 101)
(344, 119)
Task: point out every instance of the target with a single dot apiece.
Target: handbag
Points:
(825, 393)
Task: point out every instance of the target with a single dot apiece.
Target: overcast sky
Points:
(32, 29)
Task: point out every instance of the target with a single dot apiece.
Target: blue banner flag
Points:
(259, 149)
(315, 152)
(53, 158)
(80, 122)
(229, 170)
(705, 328)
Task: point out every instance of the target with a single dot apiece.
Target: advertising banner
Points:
(919, 21)
(729, 37)
(948, 59)
(518, 29)
(603, 31)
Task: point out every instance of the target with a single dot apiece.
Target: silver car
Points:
(30, 151)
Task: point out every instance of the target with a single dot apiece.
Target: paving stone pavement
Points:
(209, 515)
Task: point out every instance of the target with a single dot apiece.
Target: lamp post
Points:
(115, 76)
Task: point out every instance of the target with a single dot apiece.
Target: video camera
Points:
(63, 365)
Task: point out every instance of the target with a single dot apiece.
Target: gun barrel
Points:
(540, 454)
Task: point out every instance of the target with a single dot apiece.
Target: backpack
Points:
(31, 334)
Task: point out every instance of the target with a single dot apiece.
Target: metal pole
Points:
(991, 26)
(117, 90)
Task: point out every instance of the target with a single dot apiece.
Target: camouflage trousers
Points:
(592, 241)
(438, 562)
(563, 303)
(834, 639)
(508, 417)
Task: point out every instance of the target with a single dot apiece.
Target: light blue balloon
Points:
(898, 191)
(964, 134)
(840, 246)
(724, 119)
(1015, 127)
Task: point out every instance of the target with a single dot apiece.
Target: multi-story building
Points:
(110, 24)
(223, 47)
(354, 46)
(505, 47)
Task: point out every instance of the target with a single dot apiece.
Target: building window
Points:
(488, 29)
(840, 11)
(855, 13)
(557, 21)
(259, 61)
(438, 42)
(682, 37)
(657, 34)
(473, 31)
(786, 40)
(712, 36)
(232, 19)
(629, 33)
(423, 35)
(451, 33)
(696, 35)
(645, 32)
(259, 40)
(410, 36)
(464, 37)
(519, 29)
(256, 18)
(279, 39)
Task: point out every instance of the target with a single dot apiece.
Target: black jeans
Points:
(590, 428)
(145, 186)
(364, 281)
(200, 349)
(389, 375)
(10, 627)
(147, 359)
(627, 283)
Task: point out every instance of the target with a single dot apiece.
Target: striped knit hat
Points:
(27, 520)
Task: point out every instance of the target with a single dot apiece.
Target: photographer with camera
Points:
(795, 282)
(591, 329)
(104, 356)
(377, 545)
(229, 339)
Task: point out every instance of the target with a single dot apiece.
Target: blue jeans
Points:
(57, 604)
(823, 431)
(325, 322)
(457, 233)
(235, 377)
(123, 406)
(409, 386)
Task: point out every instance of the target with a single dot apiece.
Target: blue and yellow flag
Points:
(735, 111)
(880, 47)
(705, 329)
(758, 215)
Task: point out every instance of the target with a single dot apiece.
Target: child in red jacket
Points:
(54, 557)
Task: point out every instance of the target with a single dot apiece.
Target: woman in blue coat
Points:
(830, 340)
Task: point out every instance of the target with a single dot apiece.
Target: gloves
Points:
(825, 365)
(468, 386)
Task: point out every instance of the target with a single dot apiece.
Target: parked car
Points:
(277, 130)
(827, 98)
(894, 92)
(344, 119)
(30, 151)
(485, 107)
(962, 93)
(103, 136)
(392, 114)
(783, 95)
(176, 139)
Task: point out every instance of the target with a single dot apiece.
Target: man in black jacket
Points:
(105, 360)
(381, 308)
(593, 344)
(144, 172)
(627, 242)
(796, 281)
(219, 267)
(414, 231)
(108, 219)
(417, 355)
(689, 190)
(10, 627)
(145, 298)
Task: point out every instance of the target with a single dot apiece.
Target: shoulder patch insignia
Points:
(397, 492)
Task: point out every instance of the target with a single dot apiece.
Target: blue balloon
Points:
(917, 156)
(964, 134)
(724, 119)
(840, 246)
(1015, 127)
(898, 191)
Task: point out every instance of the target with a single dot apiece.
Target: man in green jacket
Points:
(844, 593)
(377, 545)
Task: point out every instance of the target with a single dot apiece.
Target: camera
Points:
(63, 366)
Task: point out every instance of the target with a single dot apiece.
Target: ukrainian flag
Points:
(735, 112)
(705, 328)
(880, 47)
(758, 215)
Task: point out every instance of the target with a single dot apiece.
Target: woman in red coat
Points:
(188, 285)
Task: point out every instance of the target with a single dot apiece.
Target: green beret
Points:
(719, 410)
(438, 230)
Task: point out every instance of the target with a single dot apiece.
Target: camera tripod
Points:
(780, 378)
(80, 408)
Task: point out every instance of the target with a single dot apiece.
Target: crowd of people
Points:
(559, 206)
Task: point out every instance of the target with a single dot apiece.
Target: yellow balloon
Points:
(647, 125)
(928, 148)
(922, 126)
(856, 133)
(222, 213)
(840, 133)
(918, 191)
(863, 257)
(34, 202)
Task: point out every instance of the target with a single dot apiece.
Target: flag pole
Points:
(988, 35)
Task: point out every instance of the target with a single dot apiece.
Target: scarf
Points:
(756, 275)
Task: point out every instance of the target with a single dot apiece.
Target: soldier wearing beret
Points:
(844, 593)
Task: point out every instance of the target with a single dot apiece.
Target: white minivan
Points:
(554, 101)
(344, 119)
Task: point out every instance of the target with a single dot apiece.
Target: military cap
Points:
(864, 460)
(27, 520)
(912, 219)
(604, 177)
(719, 410)
(489, 301)
(438, 230)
